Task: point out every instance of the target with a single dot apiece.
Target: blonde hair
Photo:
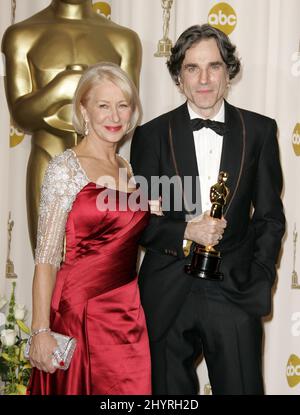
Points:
(97, 73)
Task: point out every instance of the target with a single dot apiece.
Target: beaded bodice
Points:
(64, 179)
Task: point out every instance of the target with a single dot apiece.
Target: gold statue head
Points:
(223, 176)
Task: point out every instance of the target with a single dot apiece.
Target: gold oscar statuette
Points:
(10, 273)
(164, 45)
(295, 283)
(206, 259)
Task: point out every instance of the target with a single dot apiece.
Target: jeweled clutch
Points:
(62, 355)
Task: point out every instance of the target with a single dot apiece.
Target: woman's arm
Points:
(42, 344)
(57, 195)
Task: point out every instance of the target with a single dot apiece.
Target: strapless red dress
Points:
(96, 300)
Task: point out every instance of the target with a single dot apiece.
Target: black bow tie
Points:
(217, 126)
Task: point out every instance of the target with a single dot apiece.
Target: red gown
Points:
(96, 300)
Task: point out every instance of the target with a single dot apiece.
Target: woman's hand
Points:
(41, 349)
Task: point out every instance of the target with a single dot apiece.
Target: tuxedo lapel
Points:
(233, 150)
(182, 140)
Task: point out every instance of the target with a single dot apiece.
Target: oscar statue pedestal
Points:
(205, 264)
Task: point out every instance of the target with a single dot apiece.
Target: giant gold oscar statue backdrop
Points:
(45, 57)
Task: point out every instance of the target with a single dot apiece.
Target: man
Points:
(187, 316)
(46, 55)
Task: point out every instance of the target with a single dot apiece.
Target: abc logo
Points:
(296, 139)
(102, 8)
(223, 17)
(293, 371)
(16, 136)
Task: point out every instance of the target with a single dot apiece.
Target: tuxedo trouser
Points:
(229, 338)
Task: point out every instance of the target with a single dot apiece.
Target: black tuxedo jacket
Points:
(254, 212)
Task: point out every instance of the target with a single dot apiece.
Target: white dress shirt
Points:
(208, 146)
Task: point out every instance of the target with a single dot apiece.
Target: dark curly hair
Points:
(195, 34)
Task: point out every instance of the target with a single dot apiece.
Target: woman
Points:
(93, 294)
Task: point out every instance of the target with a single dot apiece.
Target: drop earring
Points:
(86, 128)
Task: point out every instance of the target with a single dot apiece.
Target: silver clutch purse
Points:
(62, 355)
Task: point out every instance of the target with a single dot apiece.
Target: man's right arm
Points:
(163, 233)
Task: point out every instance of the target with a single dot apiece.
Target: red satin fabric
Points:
(96, 300)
